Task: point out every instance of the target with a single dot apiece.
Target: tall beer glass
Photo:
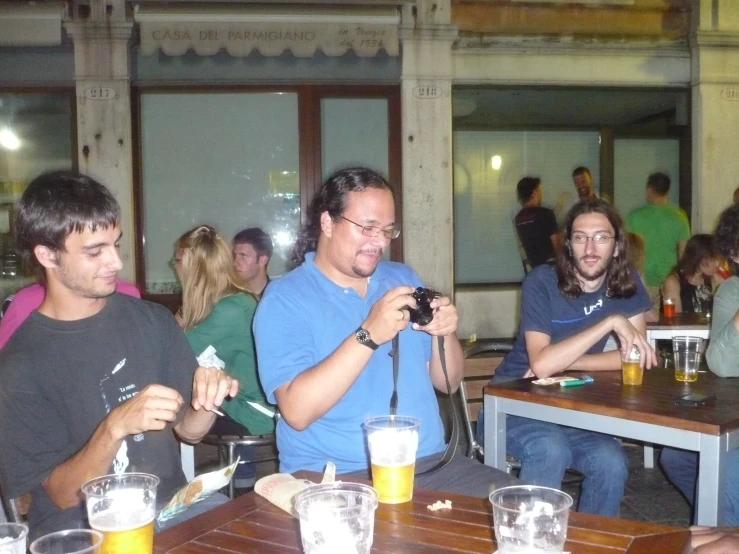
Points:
(393, 441)
(122, 507)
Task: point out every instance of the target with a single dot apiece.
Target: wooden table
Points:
(691, 325)
(646, 413)
(251, 524)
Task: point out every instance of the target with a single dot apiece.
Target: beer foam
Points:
(393, 446)
(119, 520)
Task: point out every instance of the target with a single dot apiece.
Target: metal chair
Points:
(474, 448)
(227, 443)
(10, 506)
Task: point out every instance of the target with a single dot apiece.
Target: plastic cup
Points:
(13, 538)
(336, 518)
(687, 358)
(632, 372)
(393, 442)
(530, 519)
(668, 307)
(122, 507)
(72, 541)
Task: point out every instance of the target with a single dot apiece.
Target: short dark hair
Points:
(659, 183)
(526, 188)
(331, 198)
(258, 239)
(727, 236)
(56, 204)
(619, 282)
(581, 170)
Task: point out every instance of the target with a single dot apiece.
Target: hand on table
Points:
(714, 540)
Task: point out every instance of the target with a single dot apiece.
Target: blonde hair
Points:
(206, 272)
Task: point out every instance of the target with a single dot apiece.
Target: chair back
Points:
(477, 374)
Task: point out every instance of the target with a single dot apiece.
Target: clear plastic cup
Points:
(72, 541)
(632, 371)
(530, 519)
(687, 358)
(336, 518)
(122, 507)
(393, 442)
(13, 538)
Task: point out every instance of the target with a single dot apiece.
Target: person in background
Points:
(736, 195)
(218, 312)
(722, 355)
(664, 228)
(252, 250)
(692, 282)
(536, 225)
(568, 313)
(636, 257)
(29, 298)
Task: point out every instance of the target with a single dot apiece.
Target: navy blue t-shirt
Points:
(544, 309)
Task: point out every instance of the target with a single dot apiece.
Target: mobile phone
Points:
(696, 400)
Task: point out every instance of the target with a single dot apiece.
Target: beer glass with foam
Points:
(393, 441)
(632, 371)
(122, 507)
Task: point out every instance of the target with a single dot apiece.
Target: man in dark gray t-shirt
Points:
(93, 382)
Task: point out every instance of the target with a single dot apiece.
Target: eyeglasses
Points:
(598, 238)
(375, 231)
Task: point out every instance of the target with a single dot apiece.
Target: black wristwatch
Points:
(363, 337)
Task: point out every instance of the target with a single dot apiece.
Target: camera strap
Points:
(451, 448)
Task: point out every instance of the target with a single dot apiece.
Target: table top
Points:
(681, 321)
(651, 402)
(252, 524)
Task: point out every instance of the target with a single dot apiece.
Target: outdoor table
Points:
(646, 413)
(252, 524)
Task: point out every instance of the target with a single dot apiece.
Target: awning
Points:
(270, 30)
(31, 24)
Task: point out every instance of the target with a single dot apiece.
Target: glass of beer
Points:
(122, 507)
(530, 519)
(13, 538)
(687, 356)
(72, 541)
(668, 307)
(633, 373)
(336, 518)
(393, 441)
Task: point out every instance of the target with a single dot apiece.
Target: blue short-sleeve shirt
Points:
(544, 309)
(302, 318)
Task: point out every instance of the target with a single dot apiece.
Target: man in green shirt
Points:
(664, 228)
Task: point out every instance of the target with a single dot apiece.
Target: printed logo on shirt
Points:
(594, 307)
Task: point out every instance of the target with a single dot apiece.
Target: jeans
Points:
(545, 450)
(681, 467)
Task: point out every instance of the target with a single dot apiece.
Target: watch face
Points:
(363, 335)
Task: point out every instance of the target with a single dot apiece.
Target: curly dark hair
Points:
(331, 198)
(727, 236)
(619, 281)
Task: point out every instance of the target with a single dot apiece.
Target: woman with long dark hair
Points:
(692, 282)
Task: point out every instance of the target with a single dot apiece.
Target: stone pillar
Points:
(715, 109)
(101, 59)
(428, 233)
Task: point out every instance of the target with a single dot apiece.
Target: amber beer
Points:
(393, 441)
(134, 536)
(393, 483)
(668, 308)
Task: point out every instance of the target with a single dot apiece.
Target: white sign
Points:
(730, 94)
(100, 93)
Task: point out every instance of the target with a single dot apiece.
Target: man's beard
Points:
(582, 271)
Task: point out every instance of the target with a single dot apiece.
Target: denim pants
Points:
(545, 450)
(681, 467)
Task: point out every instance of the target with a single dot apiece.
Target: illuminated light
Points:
(283, 238)
(496, 162)
(9, 140)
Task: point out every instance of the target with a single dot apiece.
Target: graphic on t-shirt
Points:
(595, 307)
(588, 310)
(114, 393)
(120, 463)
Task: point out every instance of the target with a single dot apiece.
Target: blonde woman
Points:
(218, 312)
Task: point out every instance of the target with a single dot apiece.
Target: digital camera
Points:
(422, 314)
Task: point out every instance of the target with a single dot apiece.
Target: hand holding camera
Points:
(437, 314)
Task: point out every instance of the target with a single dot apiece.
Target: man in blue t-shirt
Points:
(323, 334)
(567, 315)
